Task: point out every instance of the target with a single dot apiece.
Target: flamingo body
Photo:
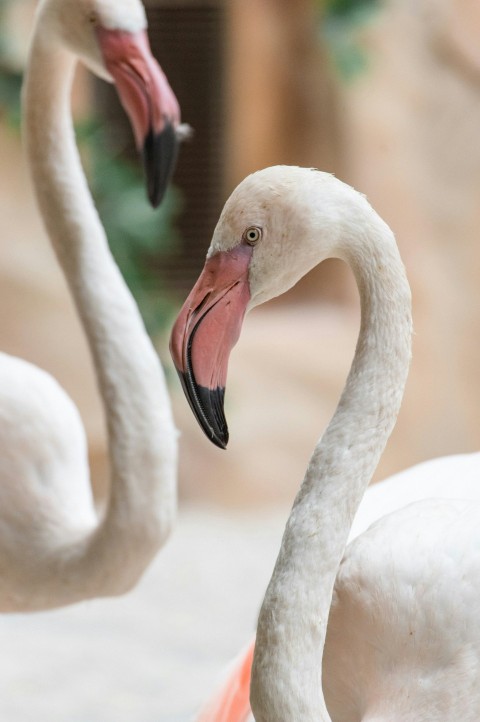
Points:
(43, 446)
(402, 640)
(414, 538)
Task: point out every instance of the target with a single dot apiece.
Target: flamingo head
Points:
(110, 37)
(272, 230)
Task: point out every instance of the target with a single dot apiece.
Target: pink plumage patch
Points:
(231, 703)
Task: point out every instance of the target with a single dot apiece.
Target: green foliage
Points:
(341, 22)
(349, 9)
(139, 236)
(10, 85)
(10, 78)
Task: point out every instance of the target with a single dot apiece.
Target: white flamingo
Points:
(403, 639)
(55, 548)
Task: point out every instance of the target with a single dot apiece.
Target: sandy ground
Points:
(153, 655)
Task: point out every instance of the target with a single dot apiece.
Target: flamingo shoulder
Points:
(454, 476)
(407, 598)
(44, 461)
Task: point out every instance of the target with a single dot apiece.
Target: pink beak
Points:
(149, 102)
(205, 332)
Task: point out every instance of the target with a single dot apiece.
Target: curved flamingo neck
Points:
(141, 433)
(286, 678)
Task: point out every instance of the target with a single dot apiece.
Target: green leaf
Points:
(342, 20)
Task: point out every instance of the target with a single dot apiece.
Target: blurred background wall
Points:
(384, 94)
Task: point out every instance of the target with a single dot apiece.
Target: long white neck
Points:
(286, 679)
(142, 436)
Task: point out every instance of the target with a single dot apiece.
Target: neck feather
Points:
(142, 437)
(286, 680)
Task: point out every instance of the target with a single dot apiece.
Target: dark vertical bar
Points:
(187, 39)
(188, 42)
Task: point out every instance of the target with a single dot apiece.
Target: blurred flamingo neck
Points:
(142, 437)
(286, 680)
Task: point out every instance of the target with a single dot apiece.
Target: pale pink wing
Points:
(231, 702)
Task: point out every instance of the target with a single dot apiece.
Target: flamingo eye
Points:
(92, 18)
(252, 235)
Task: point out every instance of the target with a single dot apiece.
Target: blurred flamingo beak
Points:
(205, 332)
(149, 102)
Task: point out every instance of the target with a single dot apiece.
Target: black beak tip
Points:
(207, 406)
(220, 440)
(218, 437)
(160, 152)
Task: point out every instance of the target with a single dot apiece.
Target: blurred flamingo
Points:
(401, 601)
(56, 548)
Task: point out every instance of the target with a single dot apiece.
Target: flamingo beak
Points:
(149, 102)
(206, 330)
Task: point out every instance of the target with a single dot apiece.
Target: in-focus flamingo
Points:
(403, 640)
(56, 548)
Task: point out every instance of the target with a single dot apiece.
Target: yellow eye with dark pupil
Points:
(252, 235)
